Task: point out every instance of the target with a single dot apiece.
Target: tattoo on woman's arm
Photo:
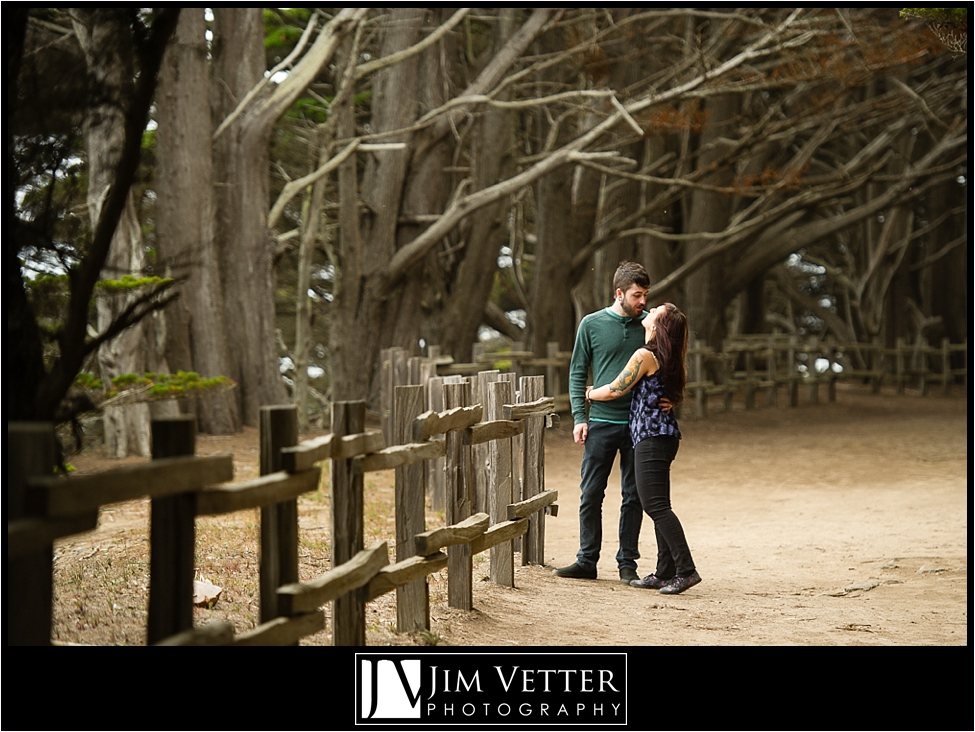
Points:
(625, 380)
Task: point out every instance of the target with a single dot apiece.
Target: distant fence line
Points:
(745, 365)
(182, 487)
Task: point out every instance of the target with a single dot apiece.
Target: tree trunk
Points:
(709, 211)
(195, 330)
(566, 202)
(365, 309)
(110, 70)
(492, 160)
(241, 198)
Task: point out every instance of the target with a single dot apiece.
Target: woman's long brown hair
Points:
(669, 343)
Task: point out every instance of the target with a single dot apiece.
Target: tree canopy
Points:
(317, 184)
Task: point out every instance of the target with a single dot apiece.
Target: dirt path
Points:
(830, 524)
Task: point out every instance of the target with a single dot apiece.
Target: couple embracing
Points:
(638, 365)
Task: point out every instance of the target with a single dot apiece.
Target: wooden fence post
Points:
(831, 373)
(749, 377)
(533, 471)
(793, 375)
(28, 580)
(899, 375)
(946, 375)
(771, 374)
(459, 483)
(922, 366)
(394, 372)
(482, 453)
(412, 600)
(700, 391)
(812, 375)
(172, 538)
(435, 468)
(279, 522)
(730, 363)
(500, 487)
(348, 611)
(876, 365)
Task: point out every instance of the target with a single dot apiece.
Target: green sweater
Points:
(604, 343)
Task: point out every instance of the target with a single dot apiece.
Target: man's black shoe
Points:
(576, 571)
(628, 575)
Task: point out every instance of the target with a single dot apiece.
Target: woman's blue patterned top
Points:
(646, 418)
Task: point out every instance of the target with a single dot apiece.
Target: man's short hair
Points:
(629, 274)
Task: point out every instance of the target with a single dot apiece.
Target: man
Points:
(604, 343)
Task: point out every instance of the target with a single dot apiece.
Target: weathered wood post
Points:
(482, 453)
(922, 366)
(412, 600)
(830, 353)
(393, 372)
(348, 611)
(899, 375)
(946, 375)
(770, 373)
(812, 375)
(500, 487)
(793, 374)
(749, 377)
(279, 522)
(727, 362)
(414, 369)
(459, 481)
(876, 364)
(512, 378)
(172, 538)
(30, 453)
(700, 390)
(533, 471)
(435, 468)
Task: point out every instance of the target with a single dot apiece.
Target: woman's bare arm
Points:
(642, 363)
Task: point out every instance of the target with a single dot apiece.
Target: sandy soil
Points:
(828, 524)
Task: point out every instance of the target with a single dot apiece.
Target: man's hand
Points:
(665, 405)
(580, 432)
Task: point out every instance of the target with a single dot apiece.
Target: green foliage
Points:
(937, 15)
(308, 108)
(127, 283)
(46, 283)
(88, 381)
(283, 29)
(156, 386)
(430, 638)
(149, 141)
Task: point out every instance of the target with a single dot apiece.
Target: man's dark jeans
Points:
(604, 442)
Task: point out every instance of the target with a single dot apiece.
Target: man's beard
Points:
(629, 311)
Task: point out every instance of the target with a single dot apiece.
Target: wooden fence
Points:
(768, 363)
(182, 487)
(745, 365)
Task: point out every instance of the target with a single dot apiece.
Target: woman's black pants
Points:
(652, 458)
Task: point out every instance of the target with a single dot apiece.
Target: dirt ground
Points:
(827, 524)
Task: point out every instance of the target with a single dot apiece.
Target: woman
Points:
(657, 374)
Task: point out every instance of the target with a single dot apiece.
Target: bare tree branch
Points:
(381, 63)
